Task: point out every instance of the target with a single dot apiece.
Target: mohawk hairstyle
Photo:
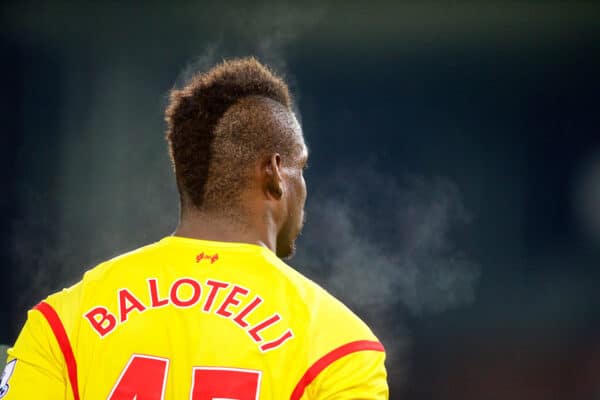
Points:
(194, 112)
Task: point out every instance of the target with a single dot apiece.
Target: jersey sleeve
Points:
(358, 375)
(346, 360)
(36, 364)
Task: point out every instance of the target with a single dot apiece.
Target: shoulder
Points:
(67, 303)
(344, 358)
(327, 313)
(129, 260)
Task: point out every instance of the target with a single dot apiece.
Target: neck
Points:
(213, 226)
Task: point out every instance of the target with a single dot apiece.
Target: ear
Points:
(272, 180)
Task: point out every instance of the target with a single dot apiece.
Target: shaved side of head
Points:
(251, 129)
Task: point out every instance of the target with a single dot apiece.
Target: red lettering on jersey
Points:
(103, 325)
(262, 326)
(104, 322)
(197, 290)
(215, 287)
(239, 319)
(154, 297)
(277, 342)
(231, 300)
(126, 296)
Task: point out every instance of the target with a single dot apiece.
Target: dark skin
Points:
(272, 204)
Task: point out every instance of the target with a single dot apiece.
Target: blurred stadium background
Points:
(454, 187)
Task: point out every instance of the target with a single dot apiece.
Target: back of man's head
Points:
(220, 123)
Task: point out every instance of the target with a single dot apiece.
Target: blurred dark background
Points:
(455, 167)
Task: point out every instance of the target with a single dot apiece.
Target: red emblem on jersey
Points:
(203, 256)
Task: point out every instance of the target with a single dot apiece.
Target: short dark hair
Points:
(193, 116)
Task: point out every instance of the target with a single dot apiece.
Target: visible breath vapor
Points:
(385, 247)
(383, 243)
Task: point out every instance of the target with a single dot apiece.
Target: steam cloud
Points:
(385, 247)
(380, 242)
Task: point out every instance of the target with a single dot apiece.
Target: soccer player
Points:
(210, 312)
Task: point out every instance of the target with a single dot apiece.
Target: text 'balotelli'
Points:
(187, 293)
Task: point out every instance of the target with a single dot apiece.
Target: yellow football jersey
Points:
(193, 319)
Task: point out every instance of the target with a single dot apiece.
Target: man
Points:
(210, 312)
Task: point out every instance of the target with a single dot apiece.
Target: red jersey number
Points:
(225, 383)
(145, 378)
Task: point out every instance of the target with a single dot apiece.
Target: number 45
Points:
(145, 378)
